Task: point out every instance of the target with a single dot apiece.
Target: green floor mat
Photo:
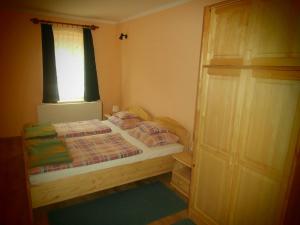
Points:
(137, 206)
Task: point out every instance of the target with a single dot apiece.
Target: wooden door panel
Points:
(256, 199)
(215, 146)
(276, 33)
(221, 90)
(228, 33)
(268, 119)
(213, 185)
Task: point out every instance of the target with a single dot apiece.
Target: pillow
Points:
(153, 139)
(125, 115)
(150, 127)
(124, 123)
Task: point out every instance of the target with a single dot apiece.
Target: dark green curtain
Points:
(91, 92)
(50, 90)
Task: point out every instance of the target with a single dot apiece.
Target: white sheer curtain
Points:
(69, 57)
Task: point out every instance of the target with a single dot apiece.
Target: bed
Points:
(57, 186)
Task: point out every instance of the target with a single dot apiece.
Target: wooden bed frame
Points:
(79, 185)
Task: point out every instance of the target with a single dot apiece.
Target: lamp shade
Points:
(115, 108)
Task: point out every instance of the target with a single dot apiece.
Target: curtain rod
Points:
(37, 21)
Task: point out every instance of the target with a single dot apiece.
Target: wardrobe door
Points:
(269, 128)
(214, 155)
(227, 34)
(275, 33)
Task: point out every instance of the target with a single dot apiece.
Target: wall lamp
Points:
(123, 36)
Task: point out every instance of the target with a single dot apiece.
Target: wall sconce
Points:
(123, 36)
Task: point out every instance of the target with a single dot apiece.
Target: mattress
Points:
(148, 153)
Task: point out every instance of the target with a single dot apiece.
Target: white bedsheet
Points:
(148, 153)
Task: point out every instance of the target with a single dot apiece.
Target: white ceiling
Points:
(109, 10)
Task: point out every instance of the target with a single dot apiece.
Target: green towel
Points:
(47, 152)
(39, 130)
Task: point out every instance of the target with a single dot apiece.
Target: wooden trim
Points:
(270, 61)
(279, 68)
(225, 62)
(79, 185)
(204, 39)
(197, 117)
(222, 72)
(277, 74)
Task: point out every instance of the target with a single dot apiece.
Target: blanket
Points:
(81, 128)
(93, 149)
(44, 152)
(39, 131)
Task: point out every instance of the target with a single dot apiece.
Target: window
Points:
(69, 66)
(69, 60)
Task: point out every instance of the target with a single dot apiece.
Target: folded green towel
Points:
(47, 152)
(39, 130)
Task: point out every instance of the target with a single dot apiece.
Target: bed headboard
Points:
(174, 127)
(68, 112)
(142, 113)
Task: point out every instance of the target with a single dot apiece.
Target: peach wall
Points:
(156, 67)
(160, 61)
(21, 69)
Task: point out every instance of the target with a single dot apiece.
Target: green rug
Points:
(137, 206)
(184, 222)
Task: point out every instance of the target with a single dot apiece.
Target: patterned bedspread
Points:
(81, 128)
(93, 149)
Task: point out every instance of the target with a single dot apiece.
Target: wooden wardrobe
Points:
(246, 136)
